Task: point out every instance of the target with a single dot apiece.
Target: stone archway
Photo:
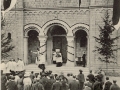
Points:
(56, 39)
(29, 28)
(81, 41)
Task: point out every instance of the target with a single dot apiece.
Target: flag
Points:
(79, 3)
(116, 14)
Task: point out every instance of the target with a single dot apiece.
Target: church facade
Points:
(57, 24)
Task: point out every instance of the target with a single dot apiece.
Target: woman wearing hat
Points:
(27, 81)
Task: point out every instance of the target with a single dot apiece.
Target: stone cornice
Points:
(61, 8)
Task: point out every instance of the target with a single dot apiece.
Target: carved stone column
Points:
(70, 51)
(26, 50)
(42, 40)
(42, 48)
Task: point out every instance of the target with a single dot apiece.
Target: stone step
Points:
(55, 70)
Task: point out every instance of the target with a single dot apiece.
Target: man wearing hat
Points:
(114, 86)
(81, 79)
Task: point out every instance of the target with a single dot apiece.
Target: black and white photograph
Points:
(60, 45)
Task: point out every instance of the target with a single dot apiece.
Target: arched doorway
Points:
(33, 44)
(56, 40)
(81, 45)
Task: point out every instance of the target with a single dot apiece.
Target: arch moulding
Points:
(31, 26)
(77, 27)
(61, 23)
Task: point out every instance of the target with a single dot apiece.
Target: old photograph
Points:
(60, 45)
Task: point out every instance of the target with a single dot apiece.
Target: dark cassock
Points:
(84, 59)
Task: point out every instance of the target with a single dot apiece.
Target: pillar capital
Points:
(42, 38)
(26, 36)
(70, 38)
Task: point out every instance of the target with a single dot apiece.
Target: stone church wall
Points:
(90, 13)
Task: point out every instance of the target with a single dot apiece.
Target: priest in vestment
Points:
(58, 59)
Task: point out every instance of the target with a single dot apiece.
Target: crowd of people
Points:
(46, 80)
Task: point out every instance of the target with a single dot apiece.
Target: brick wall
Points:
(14, 25)
(71, 17)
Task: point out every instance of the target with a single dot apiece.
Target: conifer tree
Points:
(6, 45)
(106, 42)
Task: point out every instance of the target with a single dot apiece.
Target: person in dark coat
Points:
(3, 80)
(43, 79)
(20, 83)
(57, 85)
(81, 79)
(11, 85)
(74, 85)
(64, 83)
(97, 85)
(91, 77)
(114, 86)
(84, 59)
(50, 82)
(107, 84)
(34, 86)
(39, 86)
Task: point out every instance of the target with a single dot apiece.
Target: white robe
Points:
(42, 59)
(59, 59)
(3, 67)
(54, 56)
(8, 67)
(13, 68)
(20, 66)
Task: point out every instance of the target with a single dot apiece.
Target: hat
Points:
(27, 74)
(80, 70)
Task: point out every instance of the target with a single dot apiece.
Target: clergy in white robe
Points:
(8, 66)
(54, 57)
(58, 59)
(14, 66)
(42, 62)
(3, 67)
(21, 66)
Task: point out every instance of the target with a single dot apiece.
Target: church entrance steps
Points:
(58, 70)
